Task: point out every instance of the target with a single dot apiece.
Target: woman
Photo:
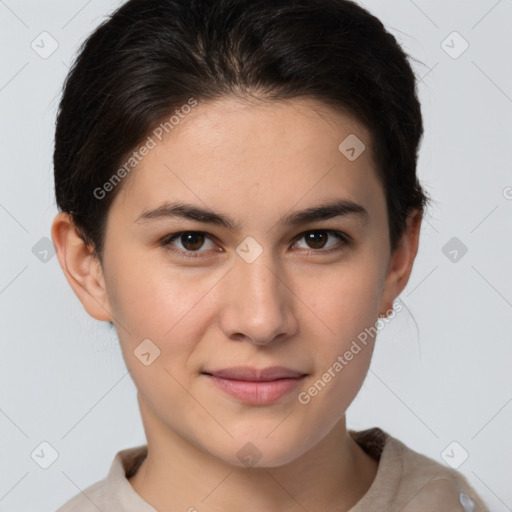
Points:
(238, 194)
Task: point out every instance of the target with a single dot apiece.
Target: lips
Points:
(246, 373)
(256, 386)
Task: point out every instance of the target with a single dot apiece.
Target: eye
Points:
(191, 242)
(316, 240)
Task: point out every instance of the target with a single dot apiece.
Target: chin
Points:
(253, 451)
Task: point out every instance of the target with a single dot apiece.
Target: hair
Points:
(149, 57)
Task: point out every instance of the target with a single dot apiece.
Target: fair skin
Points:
(295, 305)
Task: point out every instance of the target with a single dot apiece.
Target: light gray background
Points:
(438, 376)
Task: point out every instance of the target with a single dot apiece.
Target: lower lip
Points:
(256, 393)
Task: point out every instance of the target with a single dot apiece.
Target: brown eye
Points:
(316, 239)
(192, 241)
(188, 243)
(324, 240)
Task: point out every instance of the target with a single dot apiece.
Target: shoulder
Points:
(90, 499)
(114, 493)
(426, 482)
(413, 482)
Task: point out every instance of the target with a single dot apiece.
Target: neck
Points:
(333, 475)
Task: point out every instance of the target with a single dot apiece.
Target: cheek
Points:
(346, 299)
(163, 305)
(348, 304)
(151, 299)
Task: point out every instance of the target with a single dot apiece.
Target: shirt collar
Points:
(119, 494)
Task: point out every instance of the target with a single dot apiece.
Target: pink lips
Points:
(254, 386)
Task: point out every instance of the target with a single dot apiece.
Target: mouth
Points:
(256, 386)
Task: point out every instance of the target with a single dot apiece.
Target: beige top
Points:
(406, 481)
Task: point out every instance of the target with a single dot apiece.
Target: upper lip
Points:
(254, 374)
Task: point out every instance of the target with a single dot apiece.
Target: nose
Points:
(258, 303)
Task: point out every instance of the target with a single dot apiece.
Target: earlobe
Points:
(402, 260)
(82, 269)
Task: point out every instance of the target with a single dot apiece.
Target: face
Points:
(251, 283)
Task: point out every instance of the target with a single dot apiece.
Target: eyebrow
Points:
(330, 210)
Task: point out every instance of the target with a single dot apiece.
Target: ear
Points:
(82, 270)
(401, 262)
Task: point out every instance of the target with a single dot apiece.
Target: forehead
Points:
(244, 153)
(236, 126)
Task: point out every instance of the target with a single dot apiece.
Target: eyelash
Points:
(166, 242)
